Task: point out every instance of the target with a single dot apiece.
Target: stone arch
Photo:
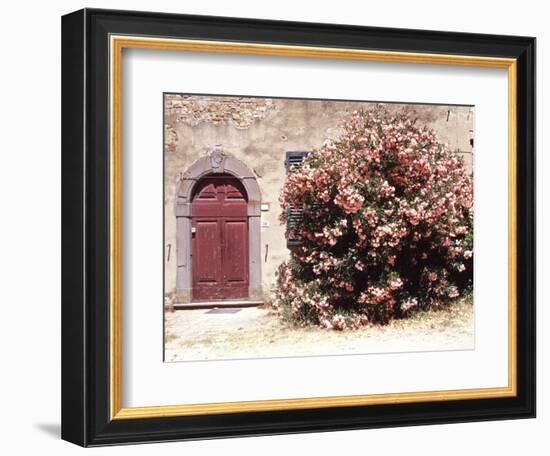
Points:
(216, 162)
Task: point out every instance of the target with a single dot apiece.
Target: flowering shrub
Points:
(387, 225)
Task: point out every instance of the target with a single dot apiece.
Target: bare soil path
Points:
(258, 333)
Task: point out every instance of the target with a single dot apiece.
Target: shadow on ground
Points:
(52, 429)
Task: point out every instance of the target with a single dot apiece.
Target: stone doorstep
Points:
(218, 304)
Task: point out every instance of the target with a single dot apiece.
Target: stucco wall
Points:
(258, 132)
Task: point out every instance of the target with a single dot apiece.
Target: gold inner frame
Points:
(117, 44)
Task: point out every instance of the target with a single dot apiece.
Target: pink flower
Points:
(396, 283)
(453, 293)
(409, 304)
(338, 322)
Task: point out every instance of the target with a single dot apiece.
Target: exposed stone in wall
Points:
(170, 138)
(241, 112)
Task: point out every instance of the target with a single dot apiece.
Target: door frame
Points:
(216, 162)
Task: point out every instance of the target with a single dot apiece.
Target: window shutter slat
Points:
(294, 159)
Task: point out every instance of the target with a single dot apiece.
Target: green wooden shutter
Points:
(295, 215)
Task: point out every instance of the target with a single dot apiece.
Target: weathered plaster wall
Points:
(258, 132)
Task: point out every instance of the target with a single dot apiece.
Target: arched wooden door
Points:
(219, 229)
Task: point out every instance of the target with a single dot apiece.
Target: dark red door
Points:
(219, 239)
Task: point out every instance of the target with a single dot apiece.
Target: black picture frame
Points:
(86, 416)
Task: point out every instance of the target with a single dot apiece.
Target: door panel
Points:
(235, 265)
(207, 251)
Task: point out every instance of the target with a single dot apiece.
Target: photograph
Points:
(316, 227)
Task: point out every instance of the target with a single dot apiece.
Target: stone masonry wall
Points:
(258, 131)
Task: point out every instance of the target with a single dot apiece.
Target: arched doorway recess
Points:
(225, 178)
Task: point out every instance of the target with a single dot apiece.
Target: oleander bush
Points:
(387, 225)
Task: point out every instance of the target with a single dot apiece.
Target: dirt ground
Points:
(253, 332)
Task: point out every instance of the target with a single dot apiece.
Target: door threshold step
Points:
(218, 304)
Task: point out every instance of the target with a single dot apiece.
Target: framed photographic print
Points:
(279, 227)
